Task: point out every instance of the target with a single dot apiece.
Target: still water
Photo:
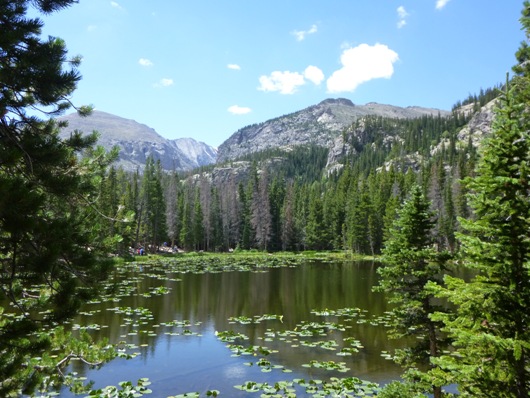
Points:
(172, 321)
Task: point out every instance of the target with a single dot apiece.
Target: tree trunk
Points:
(433, 346)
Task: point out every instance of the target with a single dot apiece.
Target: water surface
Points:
(175, 335)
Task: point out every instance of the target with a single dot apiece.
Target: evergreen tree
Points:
(216, 223)
(113, 219)
(357, 216)
(49, 192)
(244, 216)
(410, 262)
(301, 200)
(334, 204)
(378, 197)
(197, 229)
(276, 199)
(172, 215)
(134, 201)
(490, 329)
(261, 219)
(154, 205)
(185, 212)
(315, 236)
(230, 205)
(288, 221)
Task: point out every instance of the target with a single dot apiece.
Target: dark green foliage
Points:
(490, 327)
(357, 234)
(244, 216)
(410, 263)
(355, 204)
(153, 206)
(51, 257)
(197, 224)
(315, 231)
(276, 200)
(493, 309)
(398, 389)
(304, 163)
(289, 231)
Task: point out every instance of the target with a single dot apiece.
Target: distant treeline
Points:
(294, 202)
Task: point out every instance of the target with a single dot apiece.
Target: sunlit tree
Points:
(410, 262)
(491, 326)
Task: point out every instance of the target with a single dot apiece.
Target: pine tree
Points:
(261, 219)
(113, 220)
(185, 212)
(491, 325)
(230, 205)
(172, 215)
(197, 228)
(288, 221)
(357, 216)
(49, 191)
(334, 203)
(216, 223)
(244, 216)
(154, 205)
(276, 199)
(315, 232)
(410, 262)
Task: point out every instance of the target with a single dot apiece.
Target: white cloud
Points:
(441, 4)
(145, 62)
(361, 64)
(285, 82)
(301, 34)
(314, 74)
(239, 110)
(116, 5)
(402, 15)
(165, 82)
(233, 66)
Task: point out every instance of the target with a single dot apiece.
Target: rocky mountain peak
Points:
(341, 101)
(319, 125)
(136, 142)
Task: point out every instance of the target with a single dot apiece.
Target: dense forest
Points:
(289, 200)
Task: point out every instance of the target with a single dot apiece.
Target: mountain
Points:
(322, 125)
(319, 124)
(138, 141)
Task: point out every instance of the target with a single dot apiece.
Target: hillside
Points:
(138, 141)
(319, 125)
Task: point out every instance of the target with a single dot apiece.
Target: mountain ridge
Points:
(137, 141)
(318, 124)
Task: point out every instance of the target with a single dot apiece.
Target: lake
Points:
(194, 329)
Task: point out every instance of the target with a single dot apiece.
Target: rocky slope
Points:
(477, 128)
(320, 124)
(138, 141)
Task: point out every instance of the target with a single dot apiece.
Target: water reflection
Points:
(197, 362)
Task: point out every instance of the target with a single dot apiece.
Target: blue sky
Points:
(205, 68)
